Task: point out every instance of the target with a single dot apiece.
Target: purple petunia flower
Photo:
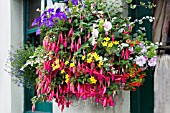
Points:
(38, 31)
(75, 2)
(140, 60)
(152, 62)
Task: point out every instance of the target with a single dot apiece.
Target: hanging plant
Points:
(90, 52)
(17, 58)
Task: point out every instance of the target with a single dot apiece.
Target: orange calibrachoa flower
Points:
(137, 42)
(128, 41)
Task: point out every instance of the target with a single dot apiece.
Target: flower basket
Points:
(89, 51)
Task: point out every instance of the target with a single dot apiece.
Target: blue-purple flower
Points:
(75, 2)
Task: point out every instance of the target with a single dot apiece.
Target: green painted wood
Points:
(142, 101)
(44, 107)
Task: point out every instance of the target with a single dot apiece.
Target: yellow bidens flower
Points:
(56, 64)
(89, 60)
(110, 44)
(62, 71)
(49, 53)
(96, 56)
(106, 39)
(56, 61)
(66, 78)
(72, 64)
(83, 57)
(104, 43)
(93, 80)
(101, 21)
(116, 42)
(100, 64)
(66, 62)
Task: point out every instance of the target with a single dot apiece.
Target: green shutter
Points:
(29, 35)
(142, 101)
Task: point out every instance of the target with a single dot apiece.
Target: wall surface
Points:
(17, 93)
(88, 106)
(11, 96)
(5, 41)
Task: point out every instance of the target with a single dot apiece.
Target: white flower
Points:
(144, 50)
(124, 45)
(140, 60)
(121, 30)
(95, 33)
(107, 25)
(93, 42)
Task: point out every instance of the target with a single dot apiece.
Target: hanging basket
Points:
(90, 52)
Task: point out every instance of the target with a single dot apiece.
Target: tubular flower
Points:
(93, 80)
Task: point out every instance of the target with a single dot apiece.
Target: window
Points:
(30, 36)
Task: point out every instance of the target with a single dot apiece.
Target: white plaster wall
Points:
(5, 41)
(88, 106)
(17, 93)
(11, 96)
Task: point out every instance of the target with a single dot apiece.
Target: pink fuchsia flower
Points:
(152, 61)
(107, 25)
(140, 60)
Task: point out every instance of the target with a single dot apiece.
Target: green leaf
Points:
(128, 1)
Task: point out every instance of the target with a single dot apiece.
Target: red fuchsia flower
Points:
(69, 20)
(53, 46)
(45, 43)
(61, 37)
(72, 45)
(33, 108)
(71, 32)
(113, 38)
(127, 53)
(65, 42)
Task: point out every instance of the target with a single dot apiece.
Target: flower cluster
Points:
(90, 52)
